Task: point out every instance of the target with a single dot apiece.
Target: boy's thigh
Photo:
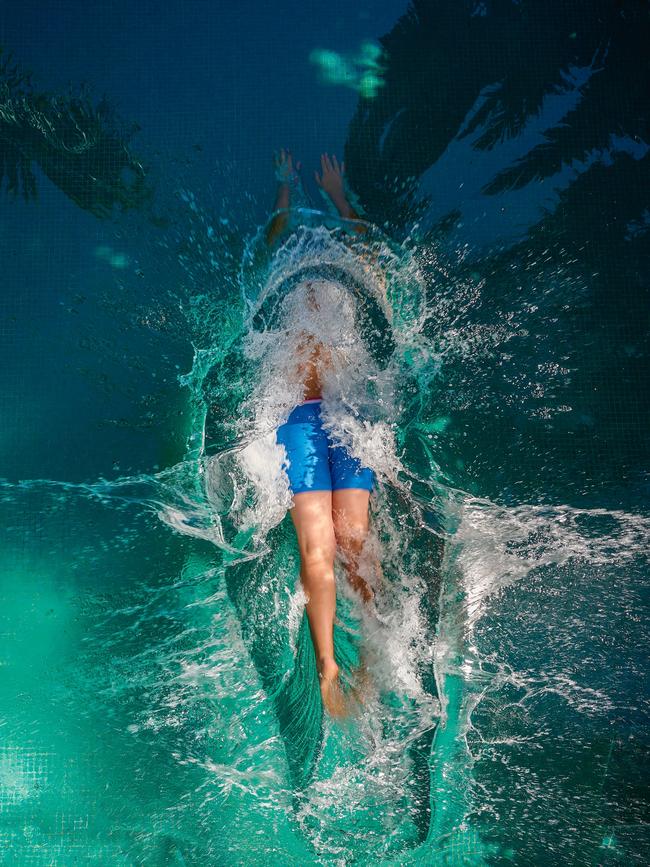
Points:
(312, 517)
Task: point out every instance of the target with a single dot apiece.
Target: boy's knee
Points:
(350, 535)
(317, 556)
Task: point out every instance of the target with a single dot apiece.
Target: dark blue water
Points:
(156, 694)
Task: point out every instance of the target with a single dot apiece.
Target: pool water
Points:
(159, 702)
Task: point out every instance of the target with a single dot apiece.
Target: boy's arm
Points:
(279, 222)
(331, 181)
(286, 175)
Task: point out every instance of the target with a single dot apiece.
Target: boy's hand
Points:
(331, 179)
(285, 172)
(331, 182)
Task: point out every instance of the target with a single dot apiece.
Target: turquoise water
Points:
(159, 702)
(159, 689)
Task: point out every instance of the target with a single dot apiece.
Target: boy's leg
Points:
(312, 518)
(350, 519)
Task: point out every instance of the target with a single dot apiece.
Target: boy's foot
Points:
(361, 684)
(330, 688)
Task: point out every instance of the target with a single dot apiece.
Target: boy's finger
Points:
(317, 179)
(298, 166)
(335, 162)
(342, 168)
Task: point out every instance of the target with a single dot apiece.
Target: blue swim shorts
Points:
(314, 462)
